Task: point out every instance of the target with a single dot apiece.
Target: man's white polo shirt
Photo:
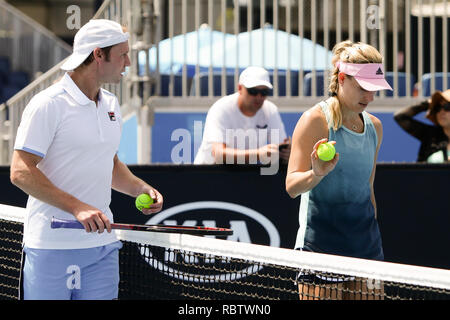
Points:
(77, 141)
(225, 123)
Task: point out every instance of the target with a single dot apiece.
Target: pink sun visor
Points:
(370, 76)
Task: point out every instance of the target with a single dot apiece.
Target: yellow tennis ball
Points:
(143, 201)
(326, 151)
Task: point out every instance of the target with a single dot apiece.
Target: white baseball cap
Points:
(97, 33)
(255, 76)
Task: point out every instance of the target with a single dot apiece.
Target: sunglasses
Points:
(445, 107)
(254, 92)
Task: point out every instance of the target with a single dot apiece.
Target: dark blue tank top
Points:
(337, 216)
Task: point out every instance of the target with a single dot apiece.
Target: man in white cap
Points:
(66, 160)
(245, 127)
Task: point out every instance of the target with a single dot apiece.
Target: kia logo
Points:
(240, 218)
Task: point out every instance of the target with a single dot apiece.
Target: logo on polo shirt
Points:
(261, 127)
(379, 71)
(112, 116)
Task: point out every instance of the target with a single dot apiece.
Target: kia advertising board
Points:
(256, 207)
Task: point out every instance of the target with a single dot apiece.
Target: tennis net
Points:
(173, 266)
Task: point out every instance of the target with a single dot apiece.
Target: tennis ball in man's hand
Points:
(326, 151)
(143, 201)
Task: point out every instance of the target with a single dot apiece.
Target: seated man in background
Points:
(244, 127)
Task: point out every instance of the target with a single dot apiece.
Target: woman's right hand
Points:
(321, 168)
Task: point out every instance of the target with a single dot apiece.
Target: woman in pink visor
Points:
(337, 210)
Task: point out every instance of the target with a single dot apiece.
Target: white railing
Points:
(209, 41)
(187, 53)
(126, 12)
(30, 48)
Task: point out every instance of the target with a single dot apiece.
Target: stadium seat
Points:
(282, 85)
(439, 82)
(217, 84)
(231, 87)
(164, 81)
(10, 81)
(307, 83)
(402, 84)
(8, 91)
(177, 85)
(4, 69)
(4, 64)
(18, 78)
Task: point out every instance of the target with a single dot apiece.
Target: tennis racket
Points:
(198, 231)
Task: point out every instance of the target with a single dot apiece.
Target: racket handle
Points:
(63, 223)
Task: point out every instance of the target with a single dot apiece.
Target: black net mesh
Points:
(156, 272)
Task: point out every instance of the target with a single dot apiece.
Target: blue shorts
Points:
(72, 274)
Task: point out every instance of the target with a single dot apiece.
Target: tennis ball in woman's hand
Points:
(326, 151)
(143, 201)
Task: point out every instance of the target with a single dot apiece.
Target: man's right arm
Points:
(26, 175)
